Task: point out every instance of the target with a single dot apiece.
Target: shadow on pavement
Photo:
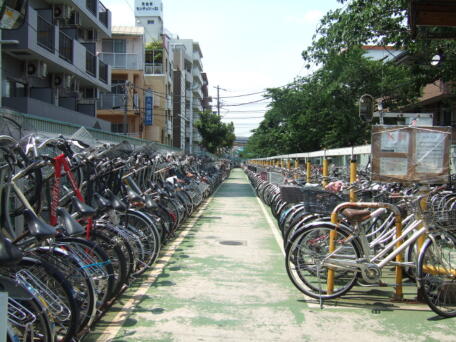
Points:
(235, 190)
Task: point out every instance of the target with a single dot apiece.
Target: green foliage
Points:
(154, 45)
(320, 111)
(216, 134)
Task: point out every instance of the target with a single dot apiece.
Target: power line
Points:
(245, 103)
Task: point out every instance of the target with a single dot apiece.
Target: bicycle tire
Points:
(313, 243)
(437, 274)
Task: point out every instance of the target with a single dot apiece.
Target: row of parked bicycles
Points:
(80, 223)
(332, 245)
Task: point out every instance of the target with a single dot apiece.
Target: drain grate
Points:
(233, 243)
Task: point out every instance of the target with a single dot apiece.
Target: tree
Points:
(384, 23)
(215, 133)
(320, 111)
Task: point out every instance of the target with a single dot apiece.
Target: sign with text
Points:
(148, 108)
(409, 154)
(148, 8)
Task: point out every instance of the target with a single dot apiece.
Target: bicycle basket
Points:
(442, 219)
(315, 200)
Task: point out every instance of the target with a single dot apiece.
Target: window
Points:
(150, 22)
(117, 86)
(114, 45)
(117, 127)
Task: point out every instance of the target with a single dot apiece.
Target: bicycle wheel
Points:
(83, 287)
(117, 251)
(437, 274)
(96, 262)
(308, 253)
(146, 225)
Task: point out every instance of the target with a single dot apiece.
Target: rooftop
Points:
(128, 30)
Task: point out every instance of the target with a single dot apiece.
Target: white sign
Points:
(148, 8)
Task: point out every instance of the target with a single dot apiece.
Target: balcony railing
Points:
(92, 6)
(91, 63)
(153, 69)
(125, 61)
(103, 14)
(110, 101)
(65, 47)
(103, 72)
(45, 34)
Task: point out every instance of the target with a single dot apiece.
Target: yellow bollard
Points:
(325, 172)
(353, 174)
(308, 171)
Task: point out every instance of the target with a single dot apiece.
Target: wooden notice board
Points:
(410, 154)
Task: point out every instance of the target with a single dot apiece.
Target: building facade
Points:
(125, 102)
(158, 70)
(53, 70)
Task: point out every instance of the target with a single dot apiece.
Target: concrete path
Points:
(224, 279)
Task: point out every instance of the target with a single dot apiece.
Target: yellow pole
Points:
(325, 171)
(288, 163)
(308, 171)
(296, 163)
(353, 172)
(399, 259)
(332, 248)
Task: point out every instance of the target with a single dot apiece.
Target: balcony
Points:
(110, 101)
(103, 72)
(103, 15)
(45, 34)
(91, 63)
(65, 47)
(153, 69)
(124, 61)
(92, 6)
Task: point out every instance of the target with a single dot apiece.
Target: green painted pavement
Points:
(226, 281)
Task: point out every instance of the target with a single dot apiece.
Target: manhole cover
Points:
(232, 243)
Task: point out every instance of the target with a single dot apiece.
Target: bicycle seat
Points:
(102, 202)
(116, 203)
(356, 215)
(9, 253)
(14, 289)
(133, 196)
(81, 208)
(71, 226)
(38, 227)
(150, 203)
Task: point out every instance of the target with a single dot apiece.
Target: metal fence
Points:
(53, 127)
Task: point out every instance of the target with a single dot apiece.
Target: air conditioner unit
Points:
(61, 11)
(91, 35)
(36, 69)
(75, 19)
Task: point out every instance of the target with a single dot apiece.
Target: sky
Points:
(247, 45)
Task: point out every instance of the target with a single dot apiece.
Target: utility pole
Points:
(218, 98)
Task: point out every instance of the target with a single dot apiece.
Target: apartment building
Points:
(158, 69)
(197, 89)
(180, 113)
(52, 69)
(124, 105)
